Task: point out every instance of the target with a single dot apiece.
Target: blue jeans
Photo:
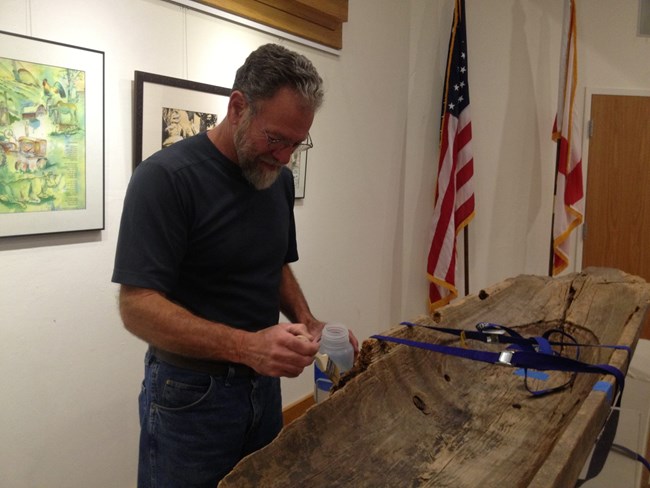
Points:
(195, 427)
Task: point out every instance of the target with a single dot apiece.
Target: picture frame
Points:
(298, 166)
(157, 96)
(51, 137)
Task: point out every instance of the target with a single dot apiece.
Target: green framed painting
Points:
(51, 137)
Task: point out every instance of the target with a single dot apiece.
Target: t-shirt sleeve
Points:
(153, 231)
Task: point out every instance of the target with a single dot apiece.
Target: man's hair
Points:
(271, 67)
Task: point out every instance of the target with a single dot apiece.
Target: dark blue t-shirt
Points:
(194, 228)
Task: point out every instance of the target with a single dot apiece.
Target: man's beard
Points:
(257, 174)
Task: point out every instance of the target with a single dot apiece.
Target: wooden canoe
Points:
(411, 417)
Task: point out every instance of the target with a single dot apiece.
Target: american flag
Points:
(454, 199)
(569, 203)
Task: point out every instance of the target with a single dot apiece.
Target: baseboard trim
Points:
(296, 409)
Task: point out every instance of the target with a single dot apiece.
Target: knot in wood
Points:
(421, 405)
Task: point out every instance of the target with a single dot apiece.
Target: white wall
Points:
(514, 54)
(71, 374)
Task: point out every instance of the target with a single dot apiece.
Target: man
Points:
(206, 238)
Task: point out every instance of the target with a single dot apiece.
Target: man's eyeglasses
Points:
(277, 144)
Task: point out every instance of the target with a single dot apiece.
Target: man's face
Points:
(283, 117)
(259, 168)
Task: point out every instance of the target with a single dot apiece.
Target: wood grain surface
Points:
(406, 417)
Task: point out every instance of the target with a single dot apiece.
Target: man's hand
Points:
(281, 350)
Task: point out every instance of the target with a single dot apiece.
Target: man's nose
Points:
(283, 156)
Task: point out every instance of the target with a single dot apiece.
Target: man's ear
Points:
(237, 106)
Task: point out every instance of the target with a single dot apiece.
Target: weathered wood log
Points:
(411, 417)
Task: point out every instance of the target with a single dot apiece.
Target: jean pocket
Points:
(184, 394)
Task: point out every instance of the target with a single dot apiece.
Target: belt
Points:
(213, 368)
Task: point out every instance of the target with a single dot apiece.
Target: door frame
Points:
(589, 92)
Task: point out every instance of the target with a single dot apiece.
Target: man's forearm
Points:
(149, 315)
(273, 351)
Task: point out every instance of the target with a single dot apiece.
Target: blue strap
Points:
(543, 345)
(486, 333)
(483, 356)
(632, 454)
(510, 357)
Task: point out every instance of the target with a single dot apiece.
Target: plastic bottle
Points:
(335, 342)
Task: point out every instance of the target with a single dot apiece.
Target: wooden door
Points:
(617, 212)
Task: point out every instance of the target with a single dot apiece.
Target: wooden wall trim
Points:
(320, 21)
(296, 409)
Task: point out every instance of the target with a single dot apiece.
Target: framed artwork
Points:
(298, 166)
(51, 137)
(170, 109)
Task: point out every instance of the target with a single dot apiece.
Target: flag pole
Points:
(551, 259)
(466, 256)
